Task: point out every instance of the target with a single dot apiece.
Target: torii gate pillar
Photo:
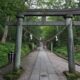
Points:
(18, 43)
(70, 45)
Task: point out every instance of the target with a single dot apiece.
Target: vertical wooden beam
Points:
(57, 27)
(18, 43)
(70, 45)
(43, 19)
(51, 46)
(33, 46)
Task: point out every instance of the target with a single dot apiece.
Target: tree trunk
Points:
(5, 33)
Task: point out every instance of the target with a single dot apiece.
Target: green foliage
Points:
(48, 32)
(10, 8)
(71, 4)
(7, 48)
(25, 49)
(14, 75)
(72, 76)
(62, 51)
(36, 34)
(36, 31)
(4, 50)
(11, 34)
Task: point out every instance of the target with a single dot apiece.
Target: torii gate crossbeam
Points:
(51, 12)
(45, 23)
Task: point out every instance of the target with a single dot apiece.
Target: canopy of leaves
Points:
(48, 32)
(10, 8)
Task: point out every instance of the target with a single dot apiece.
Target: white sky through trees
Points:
(34, 3)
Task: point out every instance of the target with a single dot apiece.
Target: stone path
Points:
(28, 63)
(43, 68)
(43, 65)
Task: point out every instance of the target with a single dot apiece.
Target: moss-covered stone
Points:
(14, 75)
(72, 76)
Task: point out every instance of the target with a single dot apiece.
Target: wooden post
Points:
(70, 46)
(18, 43)
(57, 27)
(43, 19)
(33, 46)
(51, 46)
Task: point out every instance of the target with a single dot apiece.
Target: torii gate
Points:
(67, 13)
